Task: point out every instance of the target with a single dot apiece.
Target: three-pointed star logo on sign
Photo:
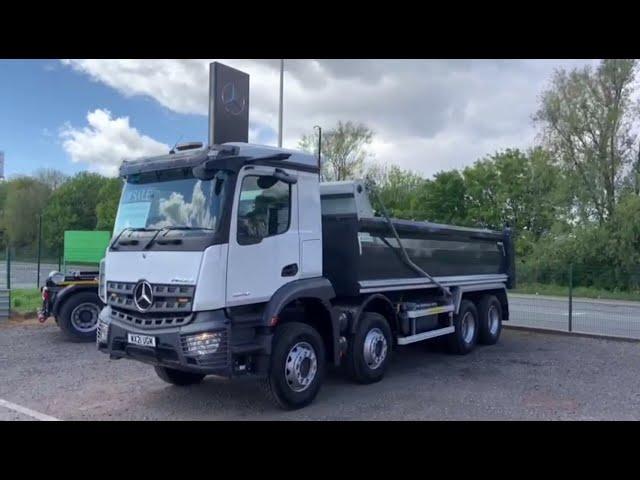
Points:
(233, 101)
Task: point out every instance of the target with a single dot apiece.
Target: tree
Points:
(343, 149)
(399, 192)
(107, 206)
(443, 198)
(626, 228)
(51, 177)
(587, 116)
(25, 201)
(481, 196)
(4, 189)
(72, 207)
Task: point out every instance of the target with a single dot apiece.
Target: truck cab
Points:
(204, 239)
(233, 260)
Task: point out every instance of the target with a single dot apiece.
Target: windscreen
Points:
(171, 198)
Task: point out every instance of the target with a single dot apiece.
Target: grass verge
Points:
(25, 300)
(583, 292)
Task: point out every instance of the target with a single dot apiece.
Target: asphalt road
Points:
(602, 317)
(527, 376)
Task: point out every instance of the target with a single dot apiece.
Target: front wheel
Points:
(78, 316)
(297, 366)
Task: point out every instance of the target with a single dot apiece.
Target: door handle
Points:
(290, 270)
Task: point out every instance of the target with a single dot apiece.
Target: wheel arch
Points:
(376, 303)
(68, 292)
(314, 295)
(476, 292)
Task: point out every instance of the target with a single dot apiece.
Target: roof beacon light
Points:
(181, 147)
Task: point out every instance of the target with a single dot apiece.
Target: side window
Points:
(264, 209)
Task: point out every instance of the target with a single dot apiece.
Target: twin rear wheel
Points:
(475, 324)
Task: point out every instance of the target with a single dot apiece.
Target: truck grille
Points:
(171, 305)
(147, 321)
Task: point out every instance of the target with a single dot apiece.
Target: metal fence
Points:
(31, 273)
(5, 303)
(20, 270)
(592, 300)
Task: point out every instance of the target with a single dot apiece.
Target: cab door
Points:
(264, 247)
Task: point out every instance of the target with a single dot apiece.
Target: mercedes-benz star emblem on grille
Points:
(232, 100)
(143, 296)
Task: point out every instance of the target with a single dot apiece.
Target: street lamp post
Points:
(281, 103)
(319, 148)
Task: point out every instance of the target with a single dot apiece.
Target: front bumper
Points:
(242, 349)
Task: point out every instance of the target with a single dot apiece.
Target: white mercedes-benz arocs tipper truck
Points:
(235, 260)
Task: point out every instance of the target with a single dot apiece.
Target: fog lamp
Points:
(202, 344)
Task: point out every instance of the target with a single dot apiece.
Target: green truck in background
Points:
(71, 296)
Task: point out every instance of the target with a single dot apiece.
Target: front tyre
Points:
(297, 366)
(369, 351)
(178, 377)
(78, 316)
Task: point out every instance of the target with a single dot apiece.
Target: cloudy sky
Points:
(427, 115)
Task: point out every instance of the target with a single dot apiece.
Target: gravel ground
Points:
(527, 376)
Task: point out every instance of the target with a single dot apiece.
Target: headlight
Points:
(202, 343)
(102, 332)
(102, 285)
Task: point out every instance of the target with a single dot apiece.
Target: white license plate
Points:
(144, 340)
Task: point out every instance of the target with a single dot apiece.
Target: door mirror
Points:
(266, 182)
(285, 177)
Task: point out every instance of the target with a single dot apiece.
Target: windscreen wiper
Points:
(129, 229)
(168, 229)
(174, 240)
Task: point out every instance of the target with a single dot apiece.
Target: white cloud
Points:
(107, 141)
(427, 114)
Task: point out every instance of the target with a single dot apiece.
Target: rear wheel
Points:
(490, 313)
(465, 336)
(297, 366)
(178, 377)
(78, 316)
(369, 350)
